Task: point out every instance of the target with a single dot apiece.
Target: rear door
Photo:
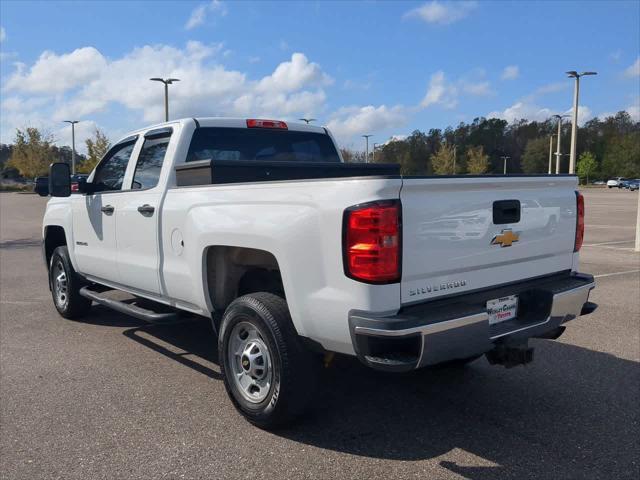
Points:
(453, 241)
(138, 213)
(94, 225)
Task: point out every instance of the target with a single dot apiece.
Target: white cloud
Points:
(3, 34)
(444, 93)
(254, 59)
(440, 92)
(356, 84)
(584, 114)
(351, 121)
(293, 75)
(524, 110)
(633, 70)
(199, 14)
(53, 73)
(83, 130)
(481, 89)
(92, 84)
(443, 13)
(510, 72)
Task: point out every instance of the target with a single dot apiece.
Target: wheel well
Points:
(54, 237)
(235, 271)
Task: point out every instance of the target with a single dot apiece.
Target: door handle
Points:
(107, 209)
(146, 210)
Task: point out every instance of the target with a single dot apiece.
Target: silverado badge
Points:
(506, 238)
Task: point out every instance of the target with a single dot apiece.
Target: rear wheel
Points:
(65, 286)
(269, 375)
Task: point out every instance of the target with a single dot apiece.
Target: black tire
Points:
(294, 370)
(70, 304)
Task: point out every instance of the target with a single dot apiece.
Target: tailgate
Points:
(451, 243)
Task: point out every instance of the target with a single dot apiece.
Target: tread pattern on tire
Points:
(299, 369)
(77, 306)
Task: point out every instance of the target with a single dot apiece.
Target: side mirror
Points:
(59, 180)
(85, 187)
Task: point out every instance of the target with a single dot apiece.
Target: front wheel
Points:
(65, 286)
(268, 374)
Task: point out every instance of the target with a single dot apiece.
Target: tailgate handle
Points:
(506, 211)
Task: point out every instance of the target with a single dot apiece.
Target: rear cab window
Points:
(151, 158)
(224, 143)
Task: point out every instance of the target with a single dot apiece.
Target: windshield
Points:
(219, 143)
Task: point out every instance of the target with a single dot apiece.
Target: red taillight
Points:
(74, 187)
(371, 244)
(257, 123)
(579, 221)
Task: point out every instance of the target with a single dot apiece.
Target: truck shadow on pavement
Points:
(571, 414)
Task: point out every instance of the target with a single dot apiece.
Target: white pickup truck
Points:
(293, 254)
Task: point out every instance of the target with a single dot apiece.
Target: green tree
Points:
(97, 147)
(536, 156)
(477, 161)
(32, 152)
(587, 166)
(622, 156)
(442, 161)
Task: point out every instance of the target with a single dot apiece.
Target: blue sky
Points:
(384, 68)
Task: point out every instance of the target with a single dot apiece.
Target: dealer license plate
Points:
(502, 309)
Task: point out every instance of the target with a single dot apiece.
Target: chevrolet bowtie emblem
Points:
(506, 238)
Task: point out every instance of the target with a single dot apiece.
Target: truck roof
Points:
(229, 122)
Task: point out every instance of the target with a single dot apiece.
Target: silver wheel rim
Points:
(60, 284)
(249, 360)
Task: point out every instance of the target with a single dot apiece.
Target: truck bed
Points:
(206, 172)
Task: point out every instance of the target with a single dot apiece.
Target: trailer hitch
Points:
(510, 355)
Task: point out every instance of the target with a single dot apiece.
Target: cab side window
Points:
(110, 173)
(150, 160)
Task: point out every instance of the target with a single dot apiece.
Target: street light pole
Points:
(574, 126)
(455, 154)
(637, 249)
(505, 163)
(167, 82)
(307, 120)
(558, 152)
(73, 144)
(551, 152)
(366, 137)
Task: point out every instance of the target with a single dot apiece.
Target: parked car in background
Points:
(634, 184)
(41, 186)
(76, 180)
(599, 182)
(615, 182)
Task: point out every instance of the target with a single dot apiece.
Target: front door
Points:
(94, 216)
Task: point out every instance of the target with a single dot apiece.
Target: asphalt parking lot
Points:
(112, 398)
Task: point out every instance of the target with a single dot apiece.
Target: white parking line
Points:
(616, 273)
(607, 243)
(615, 227)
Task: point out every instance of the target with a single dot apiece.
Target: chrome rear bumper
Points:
(440, 331)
